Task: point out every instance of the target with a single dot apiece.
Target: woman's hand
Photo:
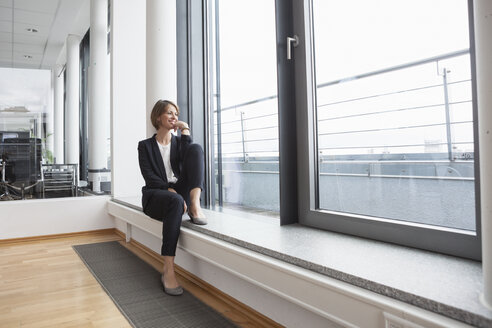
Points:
(183, 126)
(184, 202)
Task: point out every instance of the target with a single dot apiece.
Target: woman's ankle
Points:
(195, 206)
(168, 266)
(168, 271)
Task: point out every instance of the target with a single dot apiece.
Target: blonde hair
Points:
(159, 108)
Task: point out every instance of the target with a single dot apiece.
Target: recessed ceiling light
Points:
(28, 56)
(32, 30)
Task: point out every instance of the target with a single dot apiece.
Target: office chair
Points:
(4, 185)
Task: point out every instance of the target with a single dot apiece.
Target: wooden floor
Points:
(43, 283)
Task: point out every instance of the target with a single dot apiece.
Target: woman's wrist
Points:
(185, 130)
(183, 127)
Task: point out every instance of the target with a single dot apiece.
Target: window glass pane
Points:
(25, 139)
(394, 110)
(244, 104)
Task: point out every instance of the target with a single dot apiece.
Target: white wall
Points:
(40, 217)
(128, 94)
(275, 307)
(289, 295)
(161, 54)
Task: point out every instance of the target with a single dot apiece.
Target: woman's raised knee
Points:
(195, 148)
(176, 200)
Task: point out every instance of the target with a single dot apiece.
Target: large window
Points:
(373, 116)
(394, 110)
(243, 91)
(390, 116)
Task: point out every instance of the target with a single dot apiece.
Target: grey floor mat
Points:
(136, 289)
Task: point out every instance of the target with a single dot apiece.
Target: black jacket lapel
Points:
(174, 154)
(158, 158)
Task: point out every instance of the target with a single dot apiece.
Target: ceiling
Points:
(53, 20)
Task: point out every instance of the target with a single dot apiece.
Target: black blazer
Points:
(152, 165)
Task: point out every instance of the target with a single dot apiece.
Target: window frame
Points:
(437, 239)
(286, 116)
(192, 75)
(84, 58)
(298, 200)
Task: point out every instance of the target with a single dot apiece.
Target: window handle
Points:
(291, 41)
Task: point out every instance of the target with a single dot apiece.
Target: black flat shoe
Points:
(199, 221)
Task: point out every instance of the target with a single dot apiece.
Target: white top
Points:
(166, 158)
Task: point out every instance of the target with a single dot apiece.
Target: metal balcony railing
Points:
(248, 136)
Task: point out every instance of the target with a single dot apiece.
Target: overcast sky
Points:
(351, 37)
(25, 87)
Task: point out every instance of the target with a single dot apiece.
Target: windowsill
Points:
(439, 283)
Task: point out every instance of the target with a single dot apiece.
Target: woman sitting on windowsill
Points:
(173, 170)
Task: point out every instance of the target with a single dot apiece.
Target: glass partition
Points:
(25, 132)
(29, 167)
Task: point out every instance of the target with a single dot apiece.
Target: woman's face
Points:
(169, 118)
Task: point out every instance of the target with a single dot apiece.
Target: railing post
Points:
(242, 136)
(448, 117)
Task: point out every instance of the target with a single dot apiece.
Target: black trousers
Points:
(167, 206)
